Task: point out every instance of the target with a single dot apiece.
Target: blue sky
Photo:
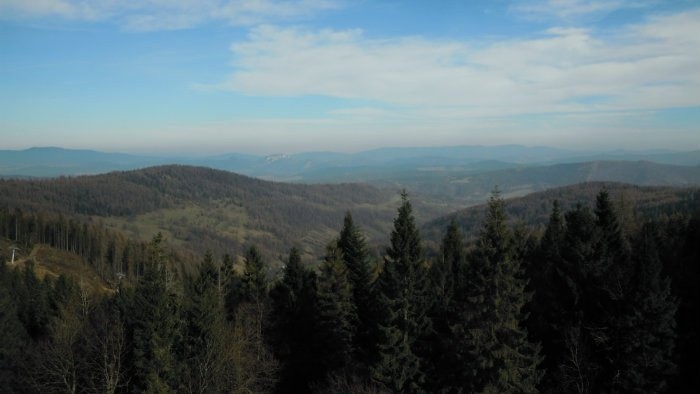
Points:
(261, 76)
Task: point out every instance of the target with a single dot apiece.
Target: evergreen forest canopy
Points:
(599, 301)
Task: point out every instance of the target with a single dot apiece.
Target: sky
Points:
(263, 76)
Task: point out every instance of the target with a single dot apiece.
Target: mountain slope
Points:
(534, 209)
(53, 262)
(201, 208)
(474, 187)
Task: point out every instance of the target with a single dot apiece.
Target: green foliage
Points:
(204, 209)
(14, 336)
(152, 326)
(403, 298)
(201, 337)
(447, 277)
(295, 323)
(337, 312)
(246, 359)
(614, 306)
(534, 209)
(108, 252)
(254, 276)
(354, 251)
(648, 326)
(605, 315)
(495, 349)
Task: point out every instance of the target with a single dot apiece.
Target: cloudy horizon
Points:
(265, 76)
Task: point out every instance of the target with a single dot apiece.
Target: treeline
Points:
(585, 308)
(128, 193)
(269, 214)
(634, 205)
(108, 252)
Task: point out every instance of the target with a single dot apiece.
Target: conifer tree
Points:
(295, 323)
(202, 329)
(648, 327)
(152, 326)
(337, 312)
(446, 270)
(255, 286)
(597, 274)
(447, 274)
(605, 289)
(404, 302)
(495, 347)
(60, 362)
(254, 276)
(33, 304)
(572, 366)
(14, 337)
(354, 251)
(250, 366)
(548, 283)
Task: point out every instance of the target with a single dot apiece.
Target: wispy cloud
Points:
(572, 9)
(147, 15)
(650, 65)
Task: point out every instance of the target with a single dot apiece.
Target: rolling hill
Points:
(200, 209)
(533, 210)
(204, 209)
(313, 167)
(473, 187)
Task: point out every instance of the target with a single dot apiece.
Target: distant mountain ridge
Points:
(322, 166)
(533, 210)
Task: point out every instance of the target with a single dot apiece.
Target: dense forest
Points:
(597, 301)
(199, 209)
(212, 209)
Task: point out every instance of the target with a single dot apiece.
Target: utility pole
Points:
(14, 249)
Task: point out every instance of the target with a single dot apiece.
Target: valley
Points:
(200, 209)
(173, 245)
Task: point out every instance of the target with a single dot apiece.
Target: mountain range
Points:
(313, 167)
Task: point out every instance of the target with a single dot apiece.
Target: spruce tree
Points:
(548, 283)
(152, 326)
(495, 347)
(354, 251)
(254, 277)
(572, 366)
(649, 328)
(446, 275)
(404, 302)
(451, 262)
(295, 323)
(202, 330)
(606, 285)
(14, 337)
(337, 312)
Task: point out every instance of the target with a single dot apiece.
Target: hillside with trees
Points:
(202, 209)
(587, 305)
(634, 203)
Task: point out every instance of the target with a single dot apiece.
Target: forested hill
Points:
(201, 208)
(134, 192)
(472, 187)
(634, 202)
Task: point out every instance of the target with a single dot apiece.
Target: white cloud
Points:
(645, 66)
(146, 15)
(573, 9)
